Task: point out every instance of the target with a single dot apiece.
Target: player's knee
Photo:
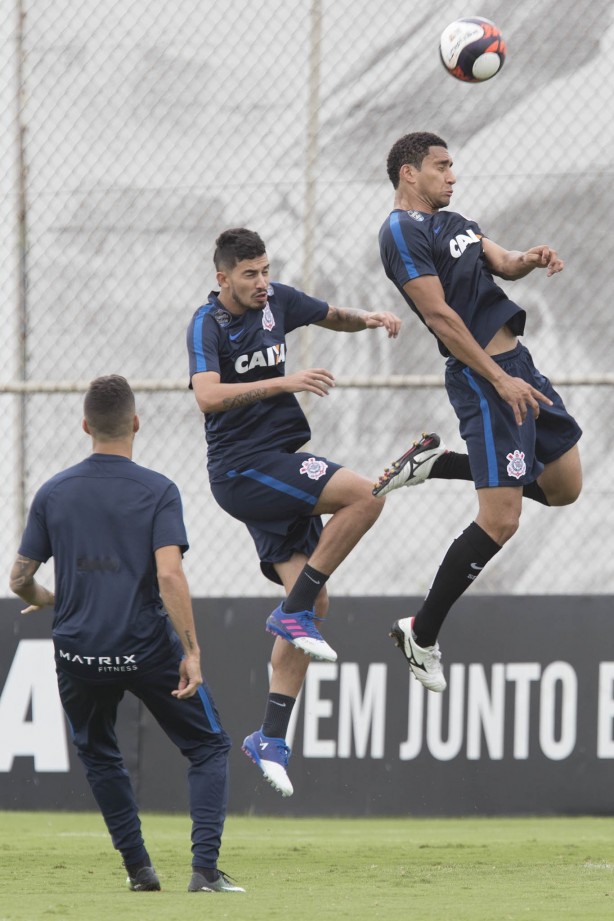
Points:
(373, 506)
(502, 528)
(566, 496)
(359, 502)
(508, 529)
(562, 479)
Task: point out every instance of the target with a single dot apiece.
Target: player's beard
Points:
(246, 305)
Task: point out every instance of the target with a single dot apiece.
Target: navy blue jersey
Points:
(446, 244)
(102, 520)
(249, 348)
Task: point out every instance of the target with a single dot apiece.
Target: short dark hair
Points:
(236, 244)
(109, 407)
(411, 149)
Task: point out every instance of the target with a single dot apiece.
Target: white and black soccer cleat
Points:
(413, 467)
(424, 661)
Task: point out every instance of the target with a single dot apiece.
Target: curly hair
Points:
(411, 149)
(236, 244)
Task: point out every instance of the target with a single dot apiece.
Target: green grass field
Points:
(62, 866)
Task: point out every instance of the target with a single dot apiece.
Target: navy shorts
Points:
(501, 452)
(275, 499)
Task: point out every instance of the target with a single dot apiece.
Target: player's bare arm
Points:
(25, 586)
(175, 595)
(213, 396)
(427, 294)
(353, 320)
(513, 264)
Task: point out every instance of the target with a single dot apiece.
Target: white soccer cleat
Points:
(413, 467)
(424, 661)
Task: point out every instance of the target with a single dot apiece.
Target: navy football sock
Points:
(302, 596)
(211, 874)
(451, 466)
(277, 716)
(133, 868)
(535, 492)
(462, 564)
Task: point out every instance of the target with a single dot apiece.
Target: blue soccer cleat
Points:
(271, 756)
(300, 630)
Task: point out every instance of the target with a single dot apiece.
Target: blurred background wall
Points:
(131, 134)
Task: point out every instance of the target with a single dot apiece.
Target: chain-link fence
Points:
(132, 134)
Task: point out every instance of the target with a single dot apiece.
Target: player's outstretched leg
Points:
(271, 756)
(413, 467)
(424, 661)
(299, 629)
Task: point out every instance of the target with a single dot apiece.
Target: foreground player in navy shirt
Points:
(255, 427)
(520, 438)
(123, 621)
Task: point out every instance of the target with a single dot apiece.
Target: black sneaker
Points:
(144, 880)
(223, 883)
(413, 467)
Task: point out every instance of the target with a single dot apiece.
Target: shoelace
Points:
(226, 877)
(283, 751)
(307, 622)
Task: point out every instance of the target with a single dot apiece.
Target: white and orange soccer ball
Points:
(472, 49)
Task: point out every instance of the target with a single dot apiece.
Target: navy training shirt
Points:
(249, 348)
(449, 245)
(102, 520)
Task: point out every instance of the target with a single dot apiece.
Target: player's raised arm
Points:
(213, 396)
(353, 320)
(513, 264)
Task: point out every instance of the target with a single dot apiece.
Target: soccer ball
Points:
(472, 50)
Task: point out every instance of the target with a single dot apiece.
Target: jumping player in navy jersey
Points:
(520, 438)
(254, 428)
(123, 621)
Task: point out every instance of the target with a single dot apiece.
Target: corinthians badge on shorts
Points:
(516, 466)
(313, 468)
